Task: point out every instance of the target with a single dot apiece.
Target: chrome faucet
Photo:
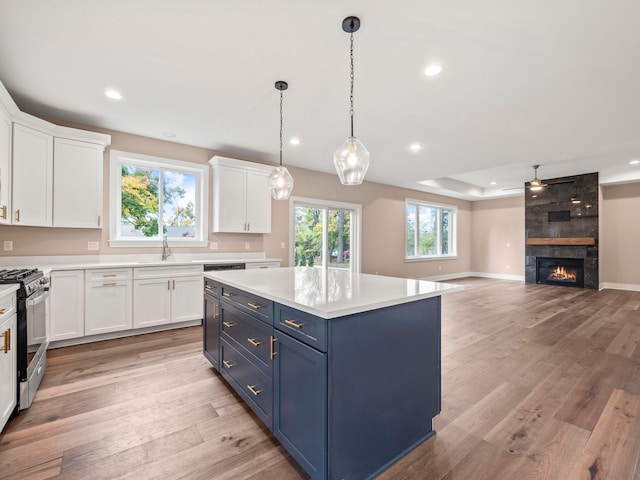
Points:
(166, 251)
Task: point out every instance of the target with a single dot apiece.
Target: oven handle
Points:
(31, 301)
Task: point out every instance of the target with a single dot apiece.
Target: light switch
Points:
(8, 245)
(247, 245)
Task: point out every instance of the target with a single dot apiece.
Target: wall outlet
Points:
(213, 245)
(281, 244)
(247, 245)
(8, 245)
(93, 245)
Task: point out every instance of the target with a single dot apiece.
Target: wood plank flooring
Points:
(538, 382)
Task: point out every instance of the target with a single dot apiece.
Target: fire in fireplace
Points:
(568, 272)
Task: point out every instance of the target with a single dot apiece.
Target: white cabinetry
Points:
(5, 167)
(32, 176)
(255, 265)
(108, 300)
(163, 295)
(77, 184)
(66, 305)
(241, 196)
(8, 358)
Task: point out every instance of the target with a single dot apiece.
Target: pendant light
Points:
(352, 158)
(280, 180)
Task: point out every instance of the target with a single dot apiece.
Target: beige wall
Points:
(620, 234)
(497, 228)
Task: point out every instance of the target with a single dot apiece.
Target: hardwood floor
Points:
(538, 383)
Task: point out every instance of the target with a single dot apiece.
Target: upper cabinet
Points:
(49, 175)
(32, 176)
(241, 196)
(5, 166)
(77, 184)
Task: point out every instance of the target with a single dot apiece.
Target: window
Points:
(325, 234)
(152, 197)
(430, 230)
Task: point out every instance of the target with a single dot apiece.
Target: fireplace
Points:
(566, 272)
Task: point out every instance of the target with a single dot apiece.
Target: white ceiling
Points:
(555, 83)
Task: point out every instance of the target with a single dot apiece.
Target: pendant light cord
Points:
(351, 77)
(280, 127)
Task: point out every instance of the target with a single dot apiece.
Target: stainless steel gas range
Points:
(31, 335)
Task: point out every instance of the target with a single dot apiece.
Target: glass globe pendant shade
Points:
(351, 161)
(280, 183)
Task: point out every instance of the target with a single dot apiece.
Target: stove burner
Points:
(17, 275)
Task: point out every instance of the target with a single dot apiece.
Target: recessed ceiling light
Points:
(634, 162)
(169, 134)
(114, 94)
(416, 147)
(493, 183)
(433, 70)
(294, 141)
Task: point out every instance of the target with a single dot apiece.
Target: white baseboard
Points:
(620, 286)
(453, 276)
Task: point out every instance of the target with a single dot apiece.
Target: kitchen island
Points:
(343, 368)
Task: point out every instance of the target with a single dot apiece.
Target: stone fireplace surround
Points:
(572, 235)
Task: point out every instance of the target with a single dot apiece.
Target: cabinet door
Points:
(32, 176)
(186, 298)
(151, 302)
(258, 202)
(66, 305)
(212, 330)
(77, 184)
(8, 369)
(108, 307)
(5, 167)
(229, 213)
(300, 403)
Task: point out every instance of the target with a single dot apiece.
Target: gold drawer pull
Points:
(109, 274)
(254, 306)
(229, 324)
(228, 364)
(3, 311)
(228, 295)
(293, 323)
(254, 342)
(7, 340)
(272, 350)
(110, 284)
(252, 389)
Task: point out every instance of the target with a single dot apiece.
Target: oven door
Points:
(36, 346)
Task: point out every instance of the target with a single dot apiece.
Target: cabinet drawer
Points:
(7, 304)
(211, 287)
(252, 304)
(107, 275)
(155, 272)
(305, 327)
(249, 335)
(253, 385)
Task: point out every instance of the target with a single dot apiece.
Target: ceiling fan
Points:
(536, 184)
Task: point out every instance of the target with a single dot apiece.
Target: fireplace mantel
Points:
(589, 241)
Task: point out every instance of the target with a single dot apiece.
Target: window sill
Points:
(173, 243)
(428, 259)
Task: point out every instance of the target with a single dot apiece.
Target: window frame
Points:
(356, 228)
(453, 238)
(201, 171)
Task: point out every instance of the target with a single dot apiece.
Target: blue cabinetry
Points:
(211, 323)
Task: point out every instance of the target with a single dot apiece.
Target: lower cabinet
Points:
(8, 358)
(66, 305)
(300, 403)
(211, 321)
(108, 301)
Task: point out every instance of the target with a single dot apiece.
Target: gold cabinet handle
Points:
(293, 323)
(228, 363)
(4, 212)
(3, 311)
(253, 389)
(18, 215)
(272, 350)
(7, 340)
(254, 342)
(228, 295)
(168, 284)
(110, 284)
(215, 311)
(254, 306)
(174, 284)
(229, 324)
(104, 275)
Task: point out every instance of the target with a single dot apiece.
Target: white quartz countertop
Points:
(332, 293)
